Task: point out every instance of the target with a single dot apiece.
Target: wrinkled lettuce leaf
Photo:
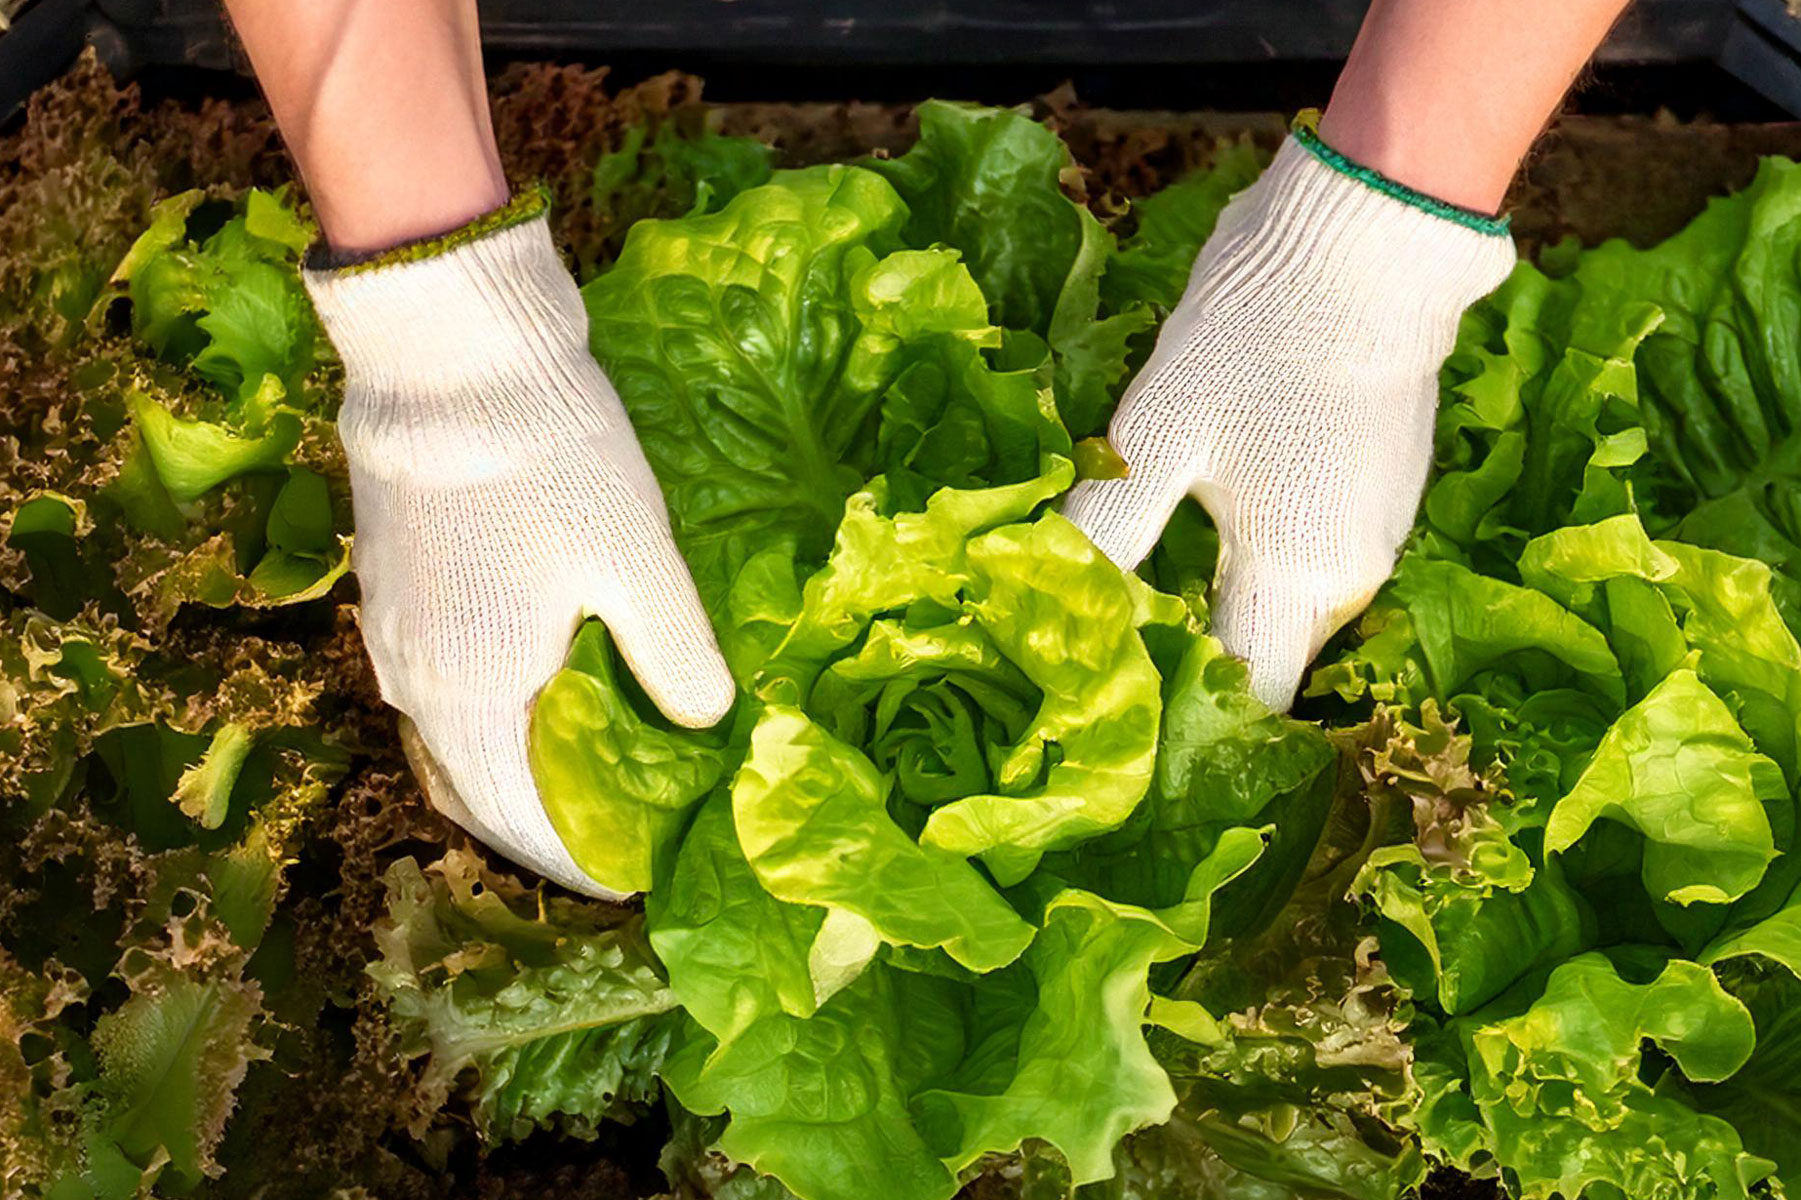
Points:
(994, 184)
(1599, 594)
(757, 349)
(230, 306)
(558, 1016)
(915, 1068)
(617, 785)
(1678, 769)
(1561, 1101)
(673, 170)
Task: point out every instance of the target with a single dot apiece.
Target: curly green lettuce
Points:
(1600, 592)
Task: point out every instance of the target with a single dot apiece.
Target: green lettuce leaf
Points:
(1678, 769)
(1080, 1034)
(915, 1069)
(232, 306)
(558, 1017)
(1759, 1099)
(811, 817)
(1154, 262)
(1467, 623)
(1078, 647)
(1310, 1066)
(1560, 1096)
(1718, 380)
(674, 171)
(987, 181)
(990, 183)
(1477, 939)
(616, 786)
(753, 348)
(1745, 650)
(170, 1059)
(1223, 760)
(1061, 613)
(734, 953)
(192, 457)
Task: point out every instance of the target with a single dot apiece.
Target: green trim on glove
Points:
(528, 204)
(1306, 132)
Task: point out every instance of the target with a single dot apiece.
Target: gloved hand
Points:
(500, 496)
(1292, 393)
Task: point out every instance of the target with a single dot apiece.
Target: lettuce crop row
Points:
(997, 876)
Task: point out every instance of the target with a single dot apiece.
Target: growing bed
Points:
(1509, 904)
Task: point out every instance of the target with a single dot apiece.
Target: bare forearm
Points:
(1447, 96)
(384, 106)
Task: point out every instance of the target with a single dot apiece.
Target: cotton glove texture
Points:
(1292, 392)
(500, 497)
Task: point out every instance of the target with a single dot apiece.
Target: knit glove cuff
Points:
(467, 355)
(1352, 238)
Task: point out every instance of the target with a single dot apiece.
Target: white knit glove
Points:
(1292, 393)
(501, 496)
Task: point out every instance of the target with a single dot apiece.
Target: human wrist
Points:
(530, 203)
(1441, 158)
(385, 109)
(1448, 97)
(364, 215)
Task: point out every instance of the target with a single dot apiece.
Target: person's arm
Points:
(1293, 389)
(499, 490)
(384, 106)
(1447, 96)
